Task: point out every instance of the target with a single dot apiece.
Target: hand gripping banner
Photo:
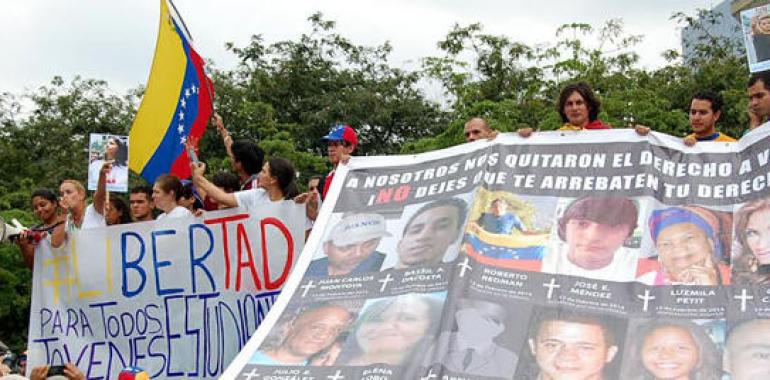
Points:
(567, 255)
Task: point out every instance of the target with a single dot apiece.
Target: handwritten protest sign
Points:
(589, 254)
(178, 297)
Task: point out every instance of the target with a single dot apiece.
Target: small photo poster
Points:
(756, 32)
(108, 148)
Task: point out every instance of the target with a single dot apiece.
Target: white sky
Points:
(114, 39)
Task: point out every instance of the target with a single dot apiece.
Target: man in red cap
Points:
(341, 142)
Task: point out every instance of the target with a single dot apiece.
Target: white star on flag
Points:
(181, 115)
(182, 140)
(186, 92)
(194, 89)
(180, 128)
(183, 102)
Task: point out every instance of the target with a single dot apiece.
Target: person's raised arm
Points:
(215, 193)
(100, 197)
(227, 140)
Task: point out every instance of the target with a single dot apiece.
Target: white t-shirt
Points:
(252, 198)
(621, 269)
(91, 219)
(176, 212)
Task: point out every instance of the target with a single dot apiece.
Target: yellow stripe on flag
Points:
(161, 95)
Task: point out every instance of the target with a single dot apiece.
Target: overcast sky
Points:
(114, 39)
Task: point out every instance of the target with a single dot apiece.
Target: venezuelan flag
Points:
(176, 104)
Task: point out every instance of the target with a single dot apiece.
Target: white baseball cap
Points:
(357, 228)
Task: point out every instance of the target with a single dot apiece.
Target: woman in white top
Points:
(166, 193)
(78, 215)
(276, 183)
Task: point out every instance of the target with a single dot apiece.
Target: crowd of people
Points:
(350, 247)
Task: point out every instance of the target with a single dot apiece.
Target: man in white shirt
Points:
(591, 236)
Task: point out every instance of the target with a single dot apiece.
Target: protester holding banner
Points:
(747, 353)
(246, 158)
(705, 110)
(141, 204)
(224, 180)
(117, 211)
(166, 193)
(759, 98)
(591, 235)
(393, 330)
(579, 109)
(190, 198)
(341, 142)
(351, 247)
(752, 264)
(79, 216)
(276, 183)
(672, 349)
(476, 129)
(690, 248)
(45, 206)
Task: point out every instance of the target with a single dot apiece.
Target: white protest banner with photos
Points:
(178, 297)
(104, 148)
(580, 255)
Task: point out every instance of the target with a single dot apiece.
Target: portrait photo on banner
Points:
(674, 349)
(571, 344)
(426, 233)
(691, 245)
(755, 24)
(308, 334)
(751, 249)
(395, 330)
(479, 337)
(104, 148)
(597, 237)
(507, 230)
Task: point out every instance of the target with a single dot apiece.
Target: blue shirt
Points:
(503, 224)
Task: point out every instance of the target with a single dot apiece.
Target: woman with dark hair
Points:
(393, 330)
(672, 350)
(45, 206)
(117, 212)
(276, 183)
(166, 193)
(115, 152)
(752, 228)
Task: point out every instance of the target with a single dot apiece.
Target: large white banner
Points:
(567, 255)
(177, 297)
